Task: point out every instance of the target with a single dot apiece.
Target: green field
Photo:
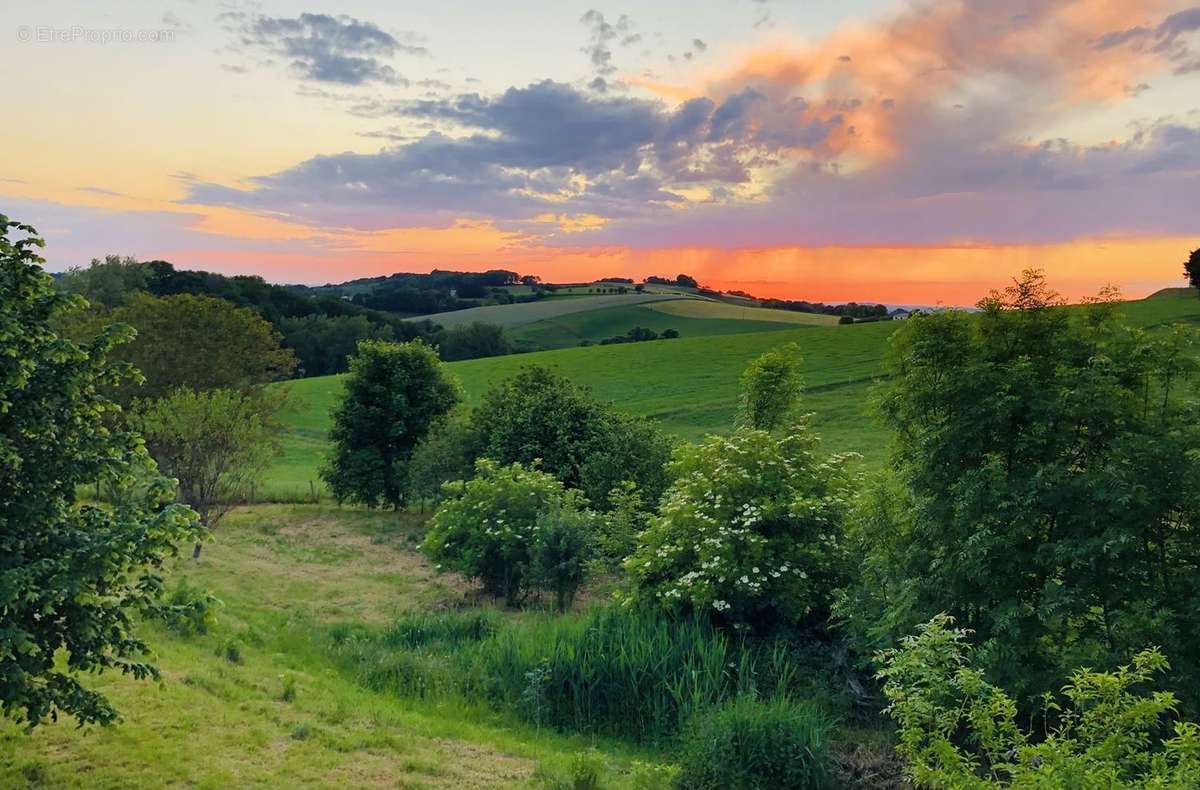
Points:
(689, 384)
(513, 315)
(726, 311)
(287, 575)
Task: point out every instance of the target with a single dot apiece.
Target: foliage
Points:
(958, 730)
(618, 529)
(771, 386)
(539, 416)
(1048, 470)
(323, 344)
(748, 744)
(562, 549)
(215, 444)
(493, 530)
(447, 453)
(71, 574)
(394, 393)
(750, 532)
(1191, 268)
(107, 282)
(188, 611)
(612, 671)
(201, 343)
(473, 341)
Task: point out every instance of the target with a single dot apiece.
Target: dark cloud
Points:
(545, 147)
(1166, 38)
(601, 35)
(330, 49)
(102, 191)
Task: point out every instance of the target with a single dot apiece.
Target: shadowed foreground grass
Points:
(258, 701)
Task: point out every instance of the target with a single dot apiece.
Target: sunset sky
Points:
(864, 149)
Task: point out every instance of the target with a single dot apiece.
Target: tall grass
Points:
(609, 671)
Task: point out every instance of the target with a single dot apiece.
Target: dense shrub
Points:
(540, 416)
(473, 341)
(1045, 473)
(188, 611)
(447, 453)
(750, 532)
(958, 730)
(562, 551)
(492, 530)
(617, 531)
(749, 744)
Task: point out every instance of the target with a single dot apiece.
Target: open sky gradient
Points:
(868, 149)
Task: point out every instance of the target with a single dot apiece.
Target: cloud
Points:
(102, 191)
(324, 48)
(548, 146)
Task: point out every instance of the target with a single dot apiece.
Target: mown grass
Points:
(596, 325)
(513, 315)
(689, 384)
(736, 312)
(260, 701)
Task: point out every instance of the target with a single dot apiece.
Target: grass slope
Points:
(689, 384)
(286, 576)
(512, 315)
(725, 310)
(595, 325)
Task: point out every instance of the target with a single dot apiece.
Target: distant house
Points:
(899, 314)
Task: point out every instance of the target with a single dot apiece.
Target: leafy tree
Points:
(771, 386)
(539, 416)
(215, 443)
(107, 282)
(448, 452)
(958, 730)
(201, 343)
(71, 574)
(394, 393)
(474, 341)
(562, 549)
(618, 530)
(1046, 472)
(1191, 268)
(490, 530)
(750, 531)
(323, 344)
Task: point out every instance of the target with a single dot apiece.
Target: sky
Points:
(905, 152)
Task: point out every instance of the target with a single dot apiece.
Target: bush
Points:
(187, 611)
(447, 453)
(619, 528)
(539, 416)
(957, 730)
(562, 549)
(490, 532)
(750, 744)
(750, 533)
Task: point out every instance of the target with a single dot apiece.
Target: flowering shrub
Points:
(489, 531)
(750, 531)
(957, 730)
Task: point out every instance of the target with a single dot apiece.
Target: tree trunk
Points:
(196, 552)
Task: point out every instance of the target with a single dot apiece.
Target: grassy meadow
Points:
(513, 315)
(261, 700)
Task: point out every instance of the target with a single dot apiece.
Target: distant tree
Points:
(530, 280)
(394, 393)
(540, 417)
(323, 344)
(639, 288)
(686, 281)
(215, 443)
(1044, 495)
(771, 387)
(107, 282)
(1191, 268)
(199, 342)
(71, 575)
(669, 334)
(473, 341)
(846, 319)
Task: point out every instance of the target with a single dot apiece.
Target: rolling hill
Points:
(513, 315)
(689, 384)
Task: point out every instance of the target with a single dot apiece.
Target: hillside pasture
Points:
(724, 310)
(513, 315)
